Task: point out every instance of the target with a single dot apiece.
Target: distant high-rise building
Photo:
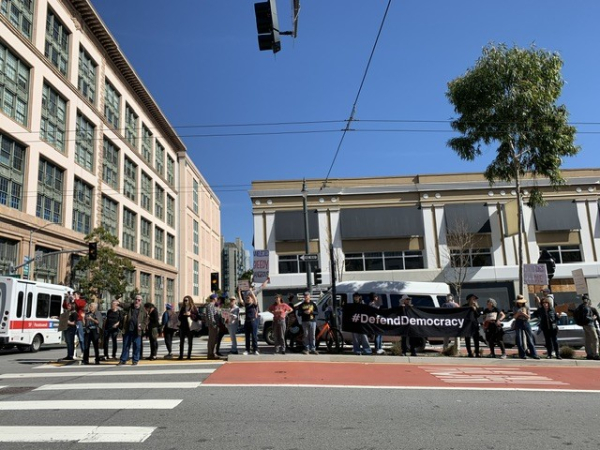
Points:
(234, 264)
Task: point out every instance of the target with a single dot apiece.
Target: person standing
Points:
(135, 322)
(92, 327)
(522, 315)
(251, 323)
(70, 331)
(232, 321)
(476, 311)
(449, 303)
(170, 324)
(188, 313)
(213, 326)
(152, 330)
(492, 325)
(590, 327)
(280, 311)
(114, 318)
(360, 341)
(549, 326)
(375, 302)
(307, 313)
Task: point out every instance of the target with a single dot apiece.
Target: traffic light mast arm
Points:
(45, 255)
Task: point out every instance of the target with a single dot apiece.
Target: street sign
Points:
(535, 274)
(309, 257)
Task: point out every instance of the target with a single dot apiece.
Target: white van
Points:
(29, 313)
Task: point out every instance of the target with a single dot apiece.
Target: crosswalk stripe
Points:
(81, 434)
(86, 386)
(105, 373)
(88, 404)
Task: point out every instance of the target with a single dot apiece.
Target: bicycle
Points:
(332, 336)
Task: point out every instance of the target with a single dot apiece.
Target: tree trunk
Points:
(520, 234)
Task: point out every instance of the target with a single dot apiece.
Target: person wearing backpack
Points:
(170, 323)
(586, 316)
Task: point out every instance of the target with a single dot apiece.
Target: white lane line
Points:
(408, 388)
(88, 404)
(81, 434)
(105, 373)
(85, 386)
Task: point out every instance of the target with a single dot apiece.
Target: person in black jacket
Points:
(153, 326)
(549, 326)
(112, 324)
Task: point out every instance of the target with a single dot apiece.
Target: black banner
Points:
(411, 321)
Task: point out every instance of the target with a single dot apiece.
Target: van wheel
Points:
(268, 334)
(36, 344)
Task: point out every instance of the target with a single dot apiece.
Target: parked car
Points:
(569, 333)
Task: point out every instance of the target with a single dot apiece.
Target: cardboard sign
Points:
(535, 274)
(580, 283)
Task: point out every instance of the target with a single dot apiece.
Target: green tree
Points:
(107, 273)
(509, 100)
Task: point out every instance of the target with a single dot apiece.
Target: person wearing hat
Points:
(170, 324)
(521, 314)
(360, 342)
(307, 313)
(492, 324)
(408, 342)
(476, 311)
(112, 324)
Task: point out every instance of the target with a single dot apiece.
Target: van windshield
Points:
(423, 301)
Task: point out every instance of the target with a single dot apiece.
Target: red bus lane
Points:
(407, 376)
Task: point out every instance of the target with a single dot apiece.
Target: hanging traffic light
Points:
(214, 281)
(318, 277)
(547, 259)
(92, 251)
(267, 26)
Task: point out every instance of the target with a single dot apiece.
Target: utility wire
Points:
(353, 111)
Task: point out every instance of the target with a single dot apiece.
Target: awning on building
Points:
(467, 217)
(378, 223)
(557, 215)
(289, 225)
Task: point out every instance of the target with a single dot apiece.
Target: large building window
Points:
(195, 196)
(370, 261)
(130, 180)
(112, 105)
(54, 118)
(131, 126)
(146, 144)
(110, 164)
(129, 230)
(170, 249)
(159, 159)
(12, 156)
(170, 291)
(145, 237)
(82, 207)
(57, 42)
(471, 257)
(9, 253)
(14, 85)
(564, 254)
(50, 192)
(170, 211)
(170, 171)
(110, 215)
(159, 244)
(293, 264)
(196, 238)
(146, 192)
(196, 278)
(46, 270)
(159, 199)
(86, 81)
(145, 285)
(20, 15)
(84, 143)
(158, 291)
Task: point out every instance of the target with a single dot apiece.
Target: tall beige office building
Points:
(84, 144)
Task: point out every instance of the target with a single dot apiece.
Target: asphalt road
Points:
(197, 415)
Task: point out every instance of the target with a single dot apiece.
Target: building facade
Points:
(233, 265)
(84, 144)
(404, 228)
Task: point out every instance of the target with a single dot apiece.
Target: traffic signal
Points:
(318, 278)
(214, 281)
(93, 251)
(547, 259)
(267, 26)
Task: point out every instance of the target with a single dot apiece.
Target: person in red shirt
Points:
(80, 305)
(279, 310)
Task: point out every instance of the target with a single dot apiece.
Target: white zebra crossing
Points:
(105, 373)
(79, 434)
(98, 386)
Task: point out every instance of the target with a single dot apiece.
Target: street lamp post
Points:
(31, 232)
(306, 236)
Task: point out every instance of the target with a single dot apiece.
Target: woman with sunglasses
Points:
(188, 313)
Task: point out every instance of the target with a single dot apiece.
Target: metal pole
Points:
(334, 305)
(32, 263)
(306, 236)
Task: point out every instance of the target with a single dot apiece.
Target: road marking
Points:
(81, 434)
(408, 388)
(105, 373)
(85, 386)
(88, 404)
(488, 375)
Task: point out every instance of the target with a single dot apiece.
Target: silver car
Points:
(569, 333)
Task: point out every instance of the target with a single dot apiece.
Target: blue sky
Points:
(200, 61)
